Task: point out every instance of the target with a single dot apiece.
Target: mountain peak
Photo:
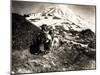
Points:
(57, 15)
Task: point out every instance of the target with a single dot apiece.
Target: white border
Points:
(86, 2)
(5, 36)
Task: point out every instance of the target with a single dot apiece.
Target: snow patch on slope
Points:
(63, 14)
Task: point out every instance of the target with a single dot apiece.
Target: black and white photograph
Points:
(52, 37)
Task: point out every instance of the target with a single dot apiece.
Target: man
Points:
(44, 28)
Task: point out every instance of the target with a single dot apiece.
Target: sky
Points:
(85, 11)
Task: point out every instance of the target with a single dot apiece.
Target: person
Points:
(44, 28)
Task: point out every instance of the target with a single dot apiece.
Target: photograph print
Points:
(52, 37)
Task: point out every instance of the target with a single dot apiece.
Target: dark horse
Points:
(42, 43)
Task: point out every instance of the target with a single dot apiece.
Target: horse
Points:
(41, 43)
(55, 42)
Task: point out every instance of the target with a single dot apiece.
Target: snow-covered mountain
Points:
(60, 16)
